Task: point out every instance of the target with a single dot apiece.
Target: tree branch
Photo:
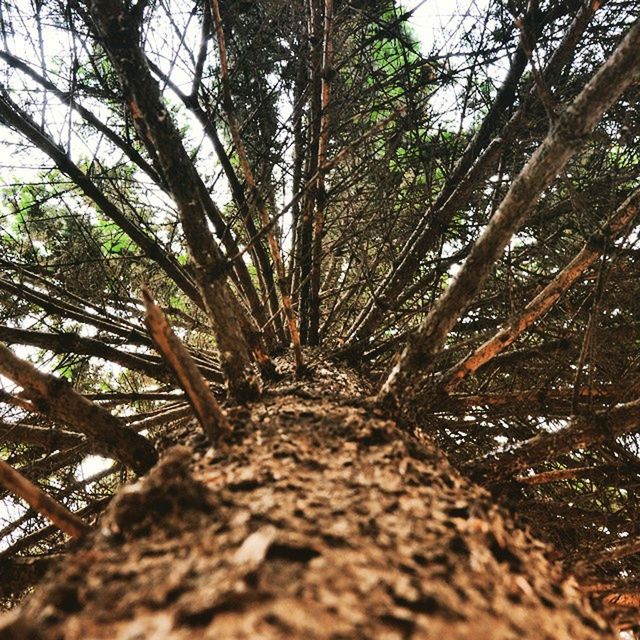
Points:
(159, 134)
(581, 433)
(41, 502)
(572, 128)
(204, 403)
(536, 308)
(57, 399)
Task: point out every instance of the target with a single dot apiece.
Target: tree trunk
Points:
(319, 518)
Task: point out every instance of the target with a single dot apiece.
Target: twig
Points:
(42, 502)
(200, 396)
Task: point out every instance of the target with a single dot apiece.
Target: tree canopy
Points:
(453, 215)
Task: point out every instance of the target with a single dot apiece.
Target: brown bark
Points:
(57, 399)
(364, 532)
(572, 128)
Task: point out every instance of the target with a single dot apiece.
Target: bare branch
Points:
(623, 217)
(477, 159)
(582, 432)
(162, 139)
(57, 399)
(573, 126)
(41, 502)
(210, 416)
(276, 253)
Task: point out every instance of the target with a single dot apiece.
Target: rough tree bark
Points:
(322, 519)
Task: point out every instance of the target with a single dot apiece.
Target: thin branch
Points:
(581, 433)
(158, 132)
(276, 253)
(42, 503)
(204, 403)
(479, 156)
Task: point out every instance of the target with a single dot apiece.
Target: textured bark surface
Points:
(321, 519)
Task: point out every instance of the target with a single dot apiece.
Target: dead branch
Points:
(69, 342)
(41, 502)
(56, 398)
(560, 475)
(534, 400)
(201, 398)
(234, 128)
(161, 137)
(320, 187)
(476, 161)
(571, 129)
(37, 536)
(48, 438)
(593, 248)
(24, 123)
(582, 432)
